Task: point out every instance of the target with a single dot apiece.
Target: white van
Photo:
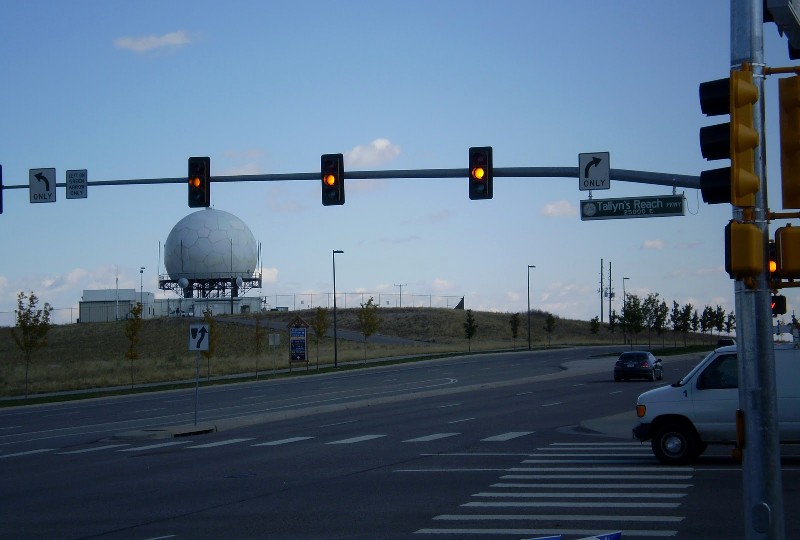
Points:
(681, 420)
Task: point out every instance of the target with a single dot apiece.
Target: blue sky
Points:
(131, 90)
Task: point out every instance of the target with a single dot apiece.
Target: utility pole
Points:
(761, 471)
(401, 292)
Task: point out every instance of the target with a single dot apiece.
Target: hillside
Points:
(83, 356)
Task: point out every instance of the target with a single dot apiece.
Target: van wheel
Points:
(675, 444)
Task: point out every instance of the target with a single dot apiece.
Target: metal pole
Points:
(196, 385)
(335, 335)
(761, 468)
(529, 305)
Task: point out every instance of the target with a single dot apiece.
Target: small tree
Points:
(549, 326)
(594, 325)
(470, 327)
(514, 322)
(320, 323)
(368, 320)
(258, 337)
(30, 332)
(132, 328)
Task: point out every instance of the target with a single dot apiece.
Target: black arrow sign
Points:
(202, 333)
(594, 163)
(42, 178)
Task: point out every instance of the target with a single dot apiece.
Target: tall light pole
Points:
(141, 287)
(401, 292)
(624, 322)
(529, 304)
(335, 336)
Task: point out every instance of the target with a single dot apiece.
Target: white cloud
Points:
(442, 285)
(143, 44)
(559, 209)
(653, 244)
(378, 152)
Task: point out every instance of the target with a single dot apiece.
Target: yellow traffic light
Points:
(789, 97)
(744, 250)
(787, 248)
(743, 139)
(480, 172)
(332, 174)
(199, 182)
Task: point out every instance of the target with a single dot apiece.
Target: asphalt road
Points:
(495, 446)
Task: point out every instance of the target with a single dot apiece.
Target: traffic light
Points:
(778, 305)
(199, 182)
(787, 252)
(744, 250)
(332, 167)
(736, 140)
(789, 97)
(480, 172)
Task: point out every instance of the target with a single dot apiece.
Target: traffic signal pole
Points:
(761, 471)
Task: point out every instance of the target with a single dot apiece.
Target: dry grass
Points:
(92, 355)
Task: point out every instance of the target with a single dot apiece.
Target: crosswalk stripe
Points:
(482, 533)
(94, 449)
(506, 436)
(591, 486)
(580, 495)
(153, 446)
(283, 441)
(221, 443)
(433, 437)
(570, 504)
(357, 439)
(560, 517)
(27, 453)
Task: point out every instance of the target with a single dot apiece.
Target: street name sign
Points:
(632, 207)
(42, 185)
(594, 171)
(77, 184)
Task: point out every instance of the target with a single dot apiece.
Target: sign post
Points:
(199, 336)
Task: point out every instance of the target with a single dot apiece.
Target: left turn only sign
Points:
(42, 185)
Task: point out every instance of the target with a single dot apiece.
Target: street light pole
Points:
(529, 305)
(401, 292)
(624, 303)
(335, 336)
(141, 287)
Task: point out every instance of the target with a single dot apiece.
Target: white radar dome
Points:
(208, 244)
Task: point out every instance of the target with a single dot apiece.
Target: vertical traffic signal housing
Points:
(332, 167)
(778, 305)
(480, 172)
(787, 252)
(789, 97)
(744, 250)
(736, 140)
(199, 182)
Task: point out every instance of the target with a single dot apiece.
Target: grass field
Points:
(92, 355)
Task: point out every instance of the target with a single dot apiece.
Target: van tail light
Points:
(641, 410)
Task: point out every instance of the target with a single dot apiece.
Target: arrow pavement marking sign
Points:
(594, 171)
(42, 185)
(199, 336)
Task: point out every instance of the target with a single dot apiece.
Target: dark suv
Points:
(638, 365)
